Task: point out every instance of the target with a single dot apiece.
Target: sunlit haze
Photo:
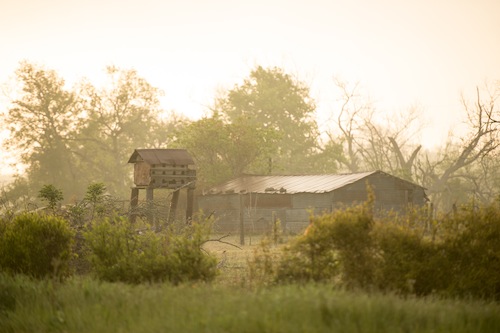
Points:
(403, 53)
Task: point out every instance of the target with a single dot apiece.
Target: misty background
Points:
(404, 60)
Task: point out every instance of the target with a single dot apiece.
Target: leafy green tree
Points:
(270, 99)
(42, 120)
(52, 195)
(120, 117)
(224, 150)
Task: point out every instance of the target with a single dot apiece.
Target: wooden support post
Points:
(189, 205)
(150, 205)
(173, 206)
(134, 201)
(242, 222)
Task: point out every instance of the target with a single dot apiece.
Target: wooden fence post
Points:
(242, 222)
(134, 201)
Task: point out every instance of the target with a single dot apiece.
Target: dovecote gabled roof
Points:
(162, 156)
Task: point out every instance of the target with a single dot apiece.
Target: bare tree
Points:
(353, 111)
(370, 144)
(480, 141)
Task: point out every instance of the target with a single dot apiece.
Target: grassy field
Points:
(83, 304)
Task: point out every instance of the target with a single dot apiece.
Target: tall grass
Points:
(85, 305)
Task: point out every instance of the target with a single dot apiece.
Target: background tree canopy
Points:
(72, 137)
(270, 99)
(43, 122)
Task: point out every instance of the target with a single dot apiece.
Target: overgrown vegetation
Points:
(456, 255)
(118, 252)
(348, 271)
(71, 137)
(36, 245)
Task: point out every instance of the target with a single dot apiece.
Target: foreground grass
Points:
(85, 305)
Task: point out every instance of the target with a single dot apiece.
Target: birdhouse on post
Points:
(163, 169)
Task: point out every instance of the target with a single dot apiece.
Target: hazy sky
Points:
(403, 52)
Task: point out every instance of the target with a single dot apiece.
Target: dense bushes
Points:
(471, 242)
(117, 252)
(36, 245)
(460, 256)
(113, 248)
(455, 255)
(41, 246)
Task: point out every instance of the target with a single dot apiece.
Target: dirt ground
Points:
(232, 256)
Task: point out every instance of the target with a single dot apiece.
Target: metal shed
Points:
(258, 200)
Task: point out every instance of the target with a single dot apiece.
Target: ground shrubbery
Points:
(118, 252)
(456, 255)
(36, 245)
(90, 237)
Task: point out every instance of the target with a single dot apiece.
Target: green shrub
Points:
(456, 255)
(52, 195)
(96, 204)
(405, 260)
(262, 265)
(118, 252)
(471, 241)
(309, 257)
(350, 233)
(336, 245)
(36, 245)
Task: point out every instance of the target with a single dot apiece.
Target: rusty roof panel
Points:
(162, 156)
(289, 184)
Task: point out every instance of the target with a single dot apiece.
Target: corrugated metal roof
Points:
(289, 184)
(162, 156)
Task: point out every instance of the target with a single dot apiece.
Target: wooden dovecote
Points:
(163, 168)
(172, 169)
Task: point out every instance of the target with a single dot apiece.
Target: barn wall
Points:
(261, 210)
(293, 210)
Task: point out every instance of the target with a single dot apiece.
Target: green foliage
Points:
(36, 245)
(262, 265)
(224, 150)
(95, 197)
(336, 245)
(52, 195)
(121, 116)
(42, 121)
(270, 99)
(405, 260)
(471, 241)
(71, 137)
(118, 252)
(97, 203)
(459, 256)
(95, 193)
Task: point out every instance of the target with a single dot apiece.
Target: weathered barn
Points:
(256, 201)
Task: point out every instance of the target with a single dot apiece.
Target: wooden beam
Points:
(189, 205)
(150, 205)
(134, 201)
(242, 223)
(173, 206)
